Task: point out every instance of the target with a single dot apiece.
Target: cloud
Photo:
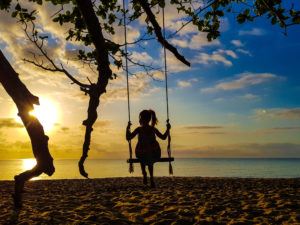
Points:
(65, 129)
(183, 84)
(219, 99)
(242, 81)
(250, 96)
(227, 52)
(252, 32)
(202, 127)
(174, 65)
(218, 56)
(275, 130)
(216, 133)
(237, 43)
(139, 85)
(196, 41)
(141, 57)
(186, 83)
(243, 51)
(9, 123)
(285, 128)
(214, 58)
(133, 34)
(278, 113)
(17, 149)
(243, 150)
(102, 123)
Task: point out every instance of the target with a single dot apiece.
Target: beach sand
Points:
(176, 200)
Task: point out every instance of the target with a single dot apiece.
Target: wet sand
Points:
(178, 200)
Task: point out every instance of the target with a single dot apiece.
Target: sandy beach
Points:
(176, 200)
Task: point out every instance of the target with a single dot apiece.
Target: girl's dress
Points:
(147, 148)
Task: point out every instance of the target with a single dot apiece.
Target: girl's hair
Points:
(149, 115)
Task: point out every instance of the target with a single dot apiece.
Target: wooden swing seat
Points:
(135, 160)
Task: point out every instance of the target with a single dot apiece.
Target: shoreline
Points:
(159, 177)
(176, 200)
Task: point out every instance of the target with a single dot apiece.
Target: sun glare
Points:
(46, 113)
(28, 164)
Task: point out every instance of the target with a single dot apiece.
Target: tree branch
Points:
(34, 39)
(159, 35)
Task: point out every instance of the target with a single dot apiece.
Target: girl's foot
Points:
(152, 184)
(145, 180)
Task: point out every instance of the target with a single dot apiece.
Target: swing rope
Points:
(131, 169)
(167, 94)
(131, 160)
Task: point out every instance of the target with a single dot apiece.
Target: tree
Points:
(90, 20)
(24, 101)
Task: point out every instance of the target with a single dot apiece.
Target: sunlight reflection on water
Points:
(28, 164)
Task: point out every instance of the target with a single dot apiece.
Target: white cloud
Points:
(214, 58)
(133, 34)
(218, 56)
(140, 85)
(174, 65)
(194, 41)
(243, 51)
(141, 57)
(186, 83)
(242, 81)
(237, 43)
(227, 52)
(252, 32)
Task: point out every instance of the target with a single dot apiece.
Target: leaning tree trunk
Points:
(96, 90)
(24, 101)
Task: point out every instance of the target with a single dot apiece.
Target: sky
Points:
(240, 97)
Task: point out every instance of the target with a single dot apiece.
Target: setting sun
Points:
(46, 112)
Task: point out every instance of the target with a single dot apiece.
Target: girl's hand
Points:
(129, 125)
(168, 126)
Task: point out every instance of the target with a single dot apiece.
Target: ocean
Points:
(102, 168)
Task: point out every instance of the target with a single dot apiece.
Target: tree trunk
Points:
(24, 101)
(96, 90)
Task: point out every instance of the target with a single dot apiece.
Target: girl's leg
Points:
(143, 167)
(150, 168)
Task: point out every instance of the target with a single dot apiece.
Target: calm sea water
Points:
(100, 168)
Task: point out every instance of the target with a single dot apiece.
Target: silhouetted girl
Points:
(147, 149)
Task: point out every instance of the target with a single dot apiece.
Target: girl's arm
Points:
(165, 135)
(130, 135)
